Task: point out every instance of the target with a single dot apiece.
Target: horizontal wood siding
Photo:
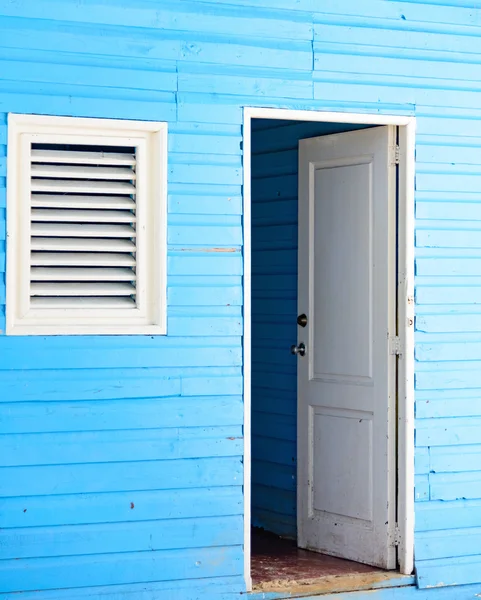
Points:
(100, 434)
(274, 314)
(274, 300)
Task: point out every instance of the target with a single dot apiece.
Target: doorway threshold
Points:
(281, 570)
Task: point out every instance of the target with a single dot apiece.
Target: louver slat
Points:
(82, 187)
(83, 158)
(71, 201)
(81, 274)
(82, 289)
(82, 172)
(81, 259)
(82, 216)
(83, 228)
(99, 245)
(93, 302)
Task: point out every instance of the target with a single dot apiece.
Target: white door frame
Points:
(405, 294)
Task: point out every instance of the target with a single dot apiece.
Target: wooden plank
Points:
(258, 82)
(277, 452)
(122, 568)
(448, 239)
(207, 261)
(205, 174)
(449, 407)
(116, 507)
(116, 477)
(120, 414)
(446, 459)
(204, 204)
(211, 142)
(276, 476)
(443, 516)
(421, 459)
(211, 386)
(140, 536)
(448, 571)
(275, 426)
(201, 326)
(65, 385)
(445, 432)
(204, 295)
(265, 497)
(450, 380)
(219, 588)
(455, 486)
(93, 70)
(205, 235)
(391, 37)
(422, 489)
(92, 342)
(283, 525)
(431, 545)
(439, 294)
(113, 446)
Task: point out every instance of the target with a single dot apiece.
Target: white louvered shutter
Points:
(86, 226)
(83, 227)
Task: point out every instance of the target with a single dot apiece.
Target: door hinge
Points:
(395, 155)
(397, 536)
(395, 345)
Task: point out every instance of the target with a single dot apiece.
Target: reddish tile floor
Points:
(275, 559)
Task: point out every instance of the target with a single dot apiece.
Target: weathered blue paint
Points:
(121, 457)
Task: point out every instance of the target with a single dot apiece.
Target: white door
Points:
(346, 380)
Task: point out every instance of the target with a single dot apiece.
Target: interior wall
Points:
(274, 314)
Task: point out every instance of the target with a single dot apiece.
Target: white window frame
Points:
(150, 140)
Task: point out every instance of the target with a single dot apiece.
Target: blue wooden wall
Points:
(274, 314)
(122, 457)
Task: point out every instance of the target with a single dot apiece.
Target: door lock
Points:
(302, 320)
(300, 349)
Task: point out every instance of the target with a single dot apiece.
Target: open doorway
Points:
(325, 354)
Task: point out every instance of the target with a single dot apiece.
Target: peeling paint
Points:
(329, 584)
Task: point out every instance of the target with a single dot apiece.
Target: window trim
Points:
(24, 320)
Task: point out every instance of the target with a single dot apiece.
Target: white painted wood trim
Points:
(406, 359)
(247, 347)
(405, 305)
(150, 317)
(326, 117)
(116, 125)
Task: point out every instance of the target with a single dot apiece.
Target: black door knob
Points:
(302, 320)
(298, 350)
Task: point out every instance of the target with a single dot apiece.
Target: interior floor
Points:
(278, 562)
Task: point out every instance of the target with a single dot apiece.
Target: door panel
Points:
(346, 380)
(342, 256)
